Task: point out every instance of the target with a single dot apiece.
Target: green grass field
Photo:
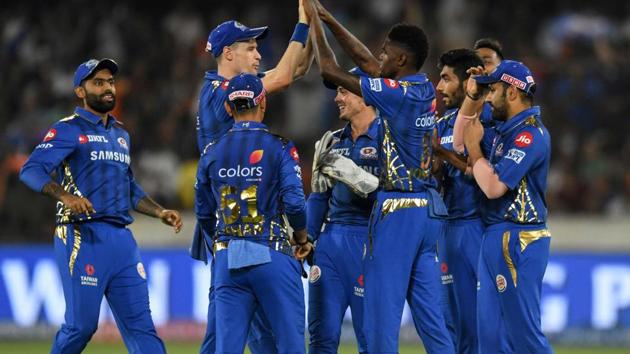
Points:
(190, 348)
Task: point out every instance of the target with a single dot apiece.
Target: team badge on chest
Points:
(123, 143)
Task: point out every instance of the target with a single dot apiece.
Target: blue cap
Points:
(355, 71)
(86, 69)
(247, 89)
(229, 32)
(512, 73)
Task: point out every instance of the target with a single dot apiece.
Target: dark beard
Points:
(96, 103)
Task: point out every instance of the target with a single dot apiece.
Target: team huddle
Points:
(447, 213)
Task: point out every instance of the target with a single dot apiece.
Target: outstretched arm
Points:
(285, 72)
(359, 53)
(328, 67)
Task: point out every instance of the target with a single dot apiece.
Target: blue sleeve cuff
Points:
(35, 181)
(297, 221)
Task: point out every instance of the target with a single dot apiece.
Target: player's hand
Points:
(304, 13)
(78, 205)
(322, 12)
(172, 218)
(302, 251)
(472, 87)
(473, 132)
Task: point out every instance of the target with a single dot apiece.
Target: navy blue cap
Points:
(229, 32)
(355, 71)
(247, 89)
(86, 69)
(512, 73)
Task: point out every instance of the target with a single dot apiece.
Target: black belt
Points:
(282, 246)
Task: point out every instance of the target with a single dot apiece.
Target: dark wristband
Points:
(474, 98)
(300, 33)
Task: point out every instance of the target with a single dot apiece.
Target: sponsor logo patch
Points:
(44, 146)
(391, 83)
(241, 94)
(368, 152)
(446, 277)
(524, 139)
(256, 156)
(375, 85)
(294, 154)
(501, 283)
(513, 81)
(515, 155)
(83, 139)
(140, 269)
(315, 274)
(50, 134)
(89, 269)
(446, 140)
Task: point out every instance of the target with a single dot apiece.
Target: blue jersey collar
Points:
(93, 118)
(213, 75)
(518, 119)
(245, 125)
(371, 133)
(418, 78)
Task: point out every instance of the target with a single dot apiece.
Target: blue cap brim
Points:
(253, 33)
(486, 79)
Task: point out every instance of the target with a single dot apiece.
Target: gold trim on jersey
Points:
(61, 231)
(76, 246)
(64, 213)
(507, 257)
(522, 209)
(527, 237)
(392, 204)
(395, 171)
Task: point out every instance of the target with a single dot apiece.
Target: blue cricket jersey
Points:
(246, 181)
(520, 157)
(341, 205)
(212, 119)
(90, 160)
(407, 108)
(461, 193)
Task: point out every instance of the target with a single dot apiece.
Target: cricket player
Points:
(249, 179)
(459, 249)
(400, 261)
(97, 255)
(516, 242)
(336, 277)
(235, 48)
(490, 51)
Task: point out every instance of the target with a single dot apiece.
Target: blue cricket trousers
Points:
(98, 258)
(337, 284)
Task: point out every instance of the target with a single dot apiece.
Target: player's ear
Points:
(227, 53)
(402, 59)
(263, 104)
(512, 93)
(228, 109)
(80, 92)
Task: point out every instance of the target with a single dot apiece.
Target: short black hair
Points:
(413, 39)
(460, 60)
(490, 43)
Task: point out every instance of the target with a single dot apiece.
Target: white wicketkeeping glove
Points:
(345, 170)
(319, 182)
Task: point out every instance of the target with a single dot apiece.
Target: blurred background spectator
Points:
(578, 51)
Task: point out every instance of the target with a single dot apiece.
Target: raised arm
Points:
(359, 53)
(328, 67)
(285, 72)
(470, 110)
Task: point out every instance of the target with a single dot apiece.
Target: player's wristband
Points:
(474, 98)
(300, 33)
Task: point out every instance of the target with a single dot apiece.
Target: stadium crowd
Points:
(577, 55)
